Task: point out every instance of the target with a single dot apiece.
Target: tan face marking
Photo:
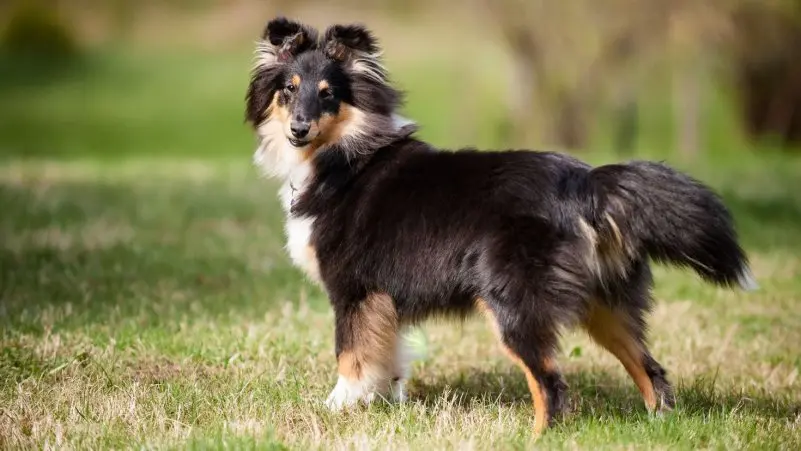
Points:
(334, 127)
(329, 129)
(323, 85)
(278, 111)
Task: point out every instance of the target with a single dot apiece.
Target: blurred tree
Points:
(36, 30)
(695, 32)
(567, 55)
(768, 69)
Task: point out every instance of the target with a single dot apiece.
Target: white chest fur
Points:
(298, 245)
(299, 229)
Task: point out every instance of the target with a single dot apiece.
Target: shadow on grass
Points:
(150, 252)
(595, 394)
(151, 286)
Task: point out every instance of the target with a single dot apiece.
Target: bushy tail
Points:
(673, 218)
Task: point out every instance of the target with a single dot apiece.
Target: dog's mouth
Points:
(298, 142)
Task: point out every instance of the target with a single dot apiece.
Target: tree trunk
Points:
(687, 108)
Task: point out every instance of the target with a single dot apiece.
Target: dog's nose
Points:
(299, 129)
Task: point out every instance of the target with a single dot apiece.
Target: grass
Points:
(146, 301)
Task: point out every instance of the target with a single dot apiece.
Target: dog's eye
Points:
(290, 88)
(326, 94)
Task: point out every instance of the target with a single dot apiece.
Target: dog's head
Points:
(308, 91)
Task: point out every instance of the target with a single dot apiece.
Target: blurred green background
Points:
(670, 79)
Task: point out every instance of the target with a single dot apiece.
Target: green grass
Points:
(120, 104)
(146, 300)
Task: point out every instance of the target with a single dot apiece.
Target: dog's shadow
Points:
(596, 394)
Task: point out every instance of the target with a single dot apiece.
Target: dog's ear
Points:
(357, 47)
(263, 85)
(344, 42)
(284, 39)
(281, 41)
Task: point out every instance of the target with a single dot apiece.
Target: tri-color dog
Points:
(397, 231)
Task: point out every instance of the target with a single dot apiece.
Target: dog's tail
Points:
(649, 208)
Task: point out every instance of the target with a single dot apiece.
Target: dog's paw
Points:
(347, 394)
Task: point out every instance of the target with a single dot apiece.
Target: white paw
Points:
(347, 393)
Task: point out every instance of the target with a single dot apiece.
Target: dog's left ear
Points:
(357, 48)
(346, 42)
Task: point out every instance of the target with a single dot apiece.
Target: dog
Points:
(397, 231)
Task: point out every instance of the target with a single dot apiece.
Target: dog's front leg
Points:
(367, 342)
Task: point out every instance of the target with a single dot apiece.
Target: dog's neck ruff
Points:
(276, 157)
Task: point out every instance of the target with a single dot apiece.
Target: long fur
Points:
(540, 240)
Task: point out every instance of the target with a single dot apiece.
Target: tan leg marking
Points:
(612, 331)
(375, 335)
(538, 395)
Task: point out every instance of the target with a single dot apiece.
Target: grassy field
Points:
(146, 301)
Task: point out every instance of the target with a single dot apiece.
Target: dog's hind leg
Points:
(532, 348)
(621, 335)
(368, 344)
(616, 321)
